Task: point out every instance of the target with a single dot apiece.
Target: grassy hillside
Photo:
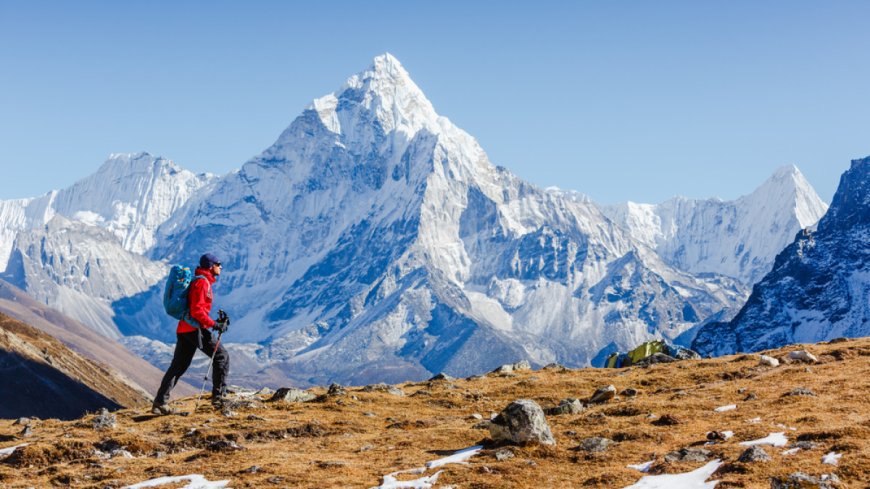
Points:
(354, 438)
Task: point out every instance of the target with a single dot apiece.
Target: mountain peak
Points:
(384, 89)
(788, 185)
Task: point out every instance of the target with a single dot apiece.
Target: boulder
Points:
(567, 406)
(769, 361)
(104, 420)
(653, 359)
(513, 367)
(384, 388)
(603, 394)
(291, 394)
(595, 444)
(799, 480)
(803, 356)
(754, 454)
(689, 455)
(522, 422)
(442, 376)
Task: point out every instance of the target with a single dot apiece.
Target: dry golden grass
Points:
(353, 440)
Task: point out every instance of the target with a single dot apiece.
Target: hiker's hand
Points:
(223, 322)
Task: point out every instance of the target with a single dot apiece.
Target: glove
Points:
(223, 322)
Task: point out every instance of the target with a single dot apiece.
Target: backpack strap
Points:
(187, 317)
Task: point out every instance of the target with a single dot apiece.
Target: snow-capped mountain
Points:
(736, 238)
(374, 241)
(819, 288)
(79, 249)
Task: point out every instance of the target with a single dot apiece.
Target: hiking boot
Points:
(162, 410)
(217, 402)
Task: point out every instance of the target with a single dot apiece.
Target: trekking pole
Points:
(210, 361)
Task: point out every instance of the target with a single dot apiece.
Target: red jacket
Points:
(199, 297)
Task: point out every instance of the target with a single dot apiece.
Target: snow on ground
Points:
(196, 481)
(695, 479)
(426, 482)
(831, 458)
(644, 467)
(722, 409)
(773, 439)
(5, 452)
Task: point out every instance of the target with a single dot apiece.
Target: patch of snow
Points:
(5, 452)
(754, 420)
(773, 439)
(696, 479)
(425, 482)
(722, 409)
(791, 451)
(196, 481)
(644, 467)
(459, 457)
(831, 458)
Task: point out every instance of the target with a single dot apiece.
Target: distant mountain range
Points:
(375, 241)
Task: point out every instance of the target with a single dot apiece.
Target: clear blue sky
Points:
(619, 100)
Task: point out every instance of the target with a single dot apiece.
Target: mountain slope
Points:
(141, 375)
(737, 238)
(42, 377)
(819, 287)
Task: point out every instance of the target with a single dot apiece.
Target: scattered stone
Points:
(629, 392)
(442, 376)
(475, 377)
(667, 420)
(805, 445)
(689, 455)
(224, 446)
(369, 414)
(476, 416)
(750, 397)
(803, 356)
(768, 361)
(800, 391)
(754, 454)
(384, 388)
(120, 453)
(291, 394)
(718, 436)
(567, 406)
(603, 394)
(104, 420)
(22, 421)
(513, 367)
(275, 480)
(254, 417)
(799, 480)
(595, 444)
(522, 422)
(336, 390)
(741, 390)
(328, 464)
(366, 448)
(686, 354)
(264, 392)
(26, 431)
(555, 366)
(653, 359)
(503, 454)
(252, 469)
(483, 425)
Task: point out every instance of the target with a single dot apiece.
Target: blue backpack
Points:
(175, 293)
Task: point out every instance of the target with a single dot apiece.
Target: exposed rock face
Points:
(819, 288)
(522, 422)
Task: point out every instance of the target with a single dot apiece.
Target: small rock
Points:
(483, 425)
(555, 366)
(120, 453)
(805, 445)
(513, 367)
(799, 480)
(366, 448)
(603, 394)
(503, 454)
(688, 455)
(291, 394)
(475, 377)
(595, 444)
(522, 365)
(629, 392)
(750, 397)
(667, 420)
(22, 421)
(275, 480)
(369, 414)
(442, 376)
(104, 420)
(754, 454)
(328, 464)
(254, 417)
(224, 446)
(476, 416)
(336, 390)
(800, 391)
(384, 388)
(769, 361)
(655, 358)
(567, 406)
(26, 431)
(803, 356)
(252, 469)
(522, 422)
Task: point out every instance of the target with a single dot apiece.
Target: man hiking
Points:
(197, 335)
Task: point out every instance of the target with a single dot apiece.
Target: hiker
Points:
(190, 337)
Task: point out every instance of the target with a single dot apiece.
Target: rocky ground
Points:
(679, 416)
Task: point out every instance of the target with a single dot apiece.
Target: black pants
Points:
(185, 348)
